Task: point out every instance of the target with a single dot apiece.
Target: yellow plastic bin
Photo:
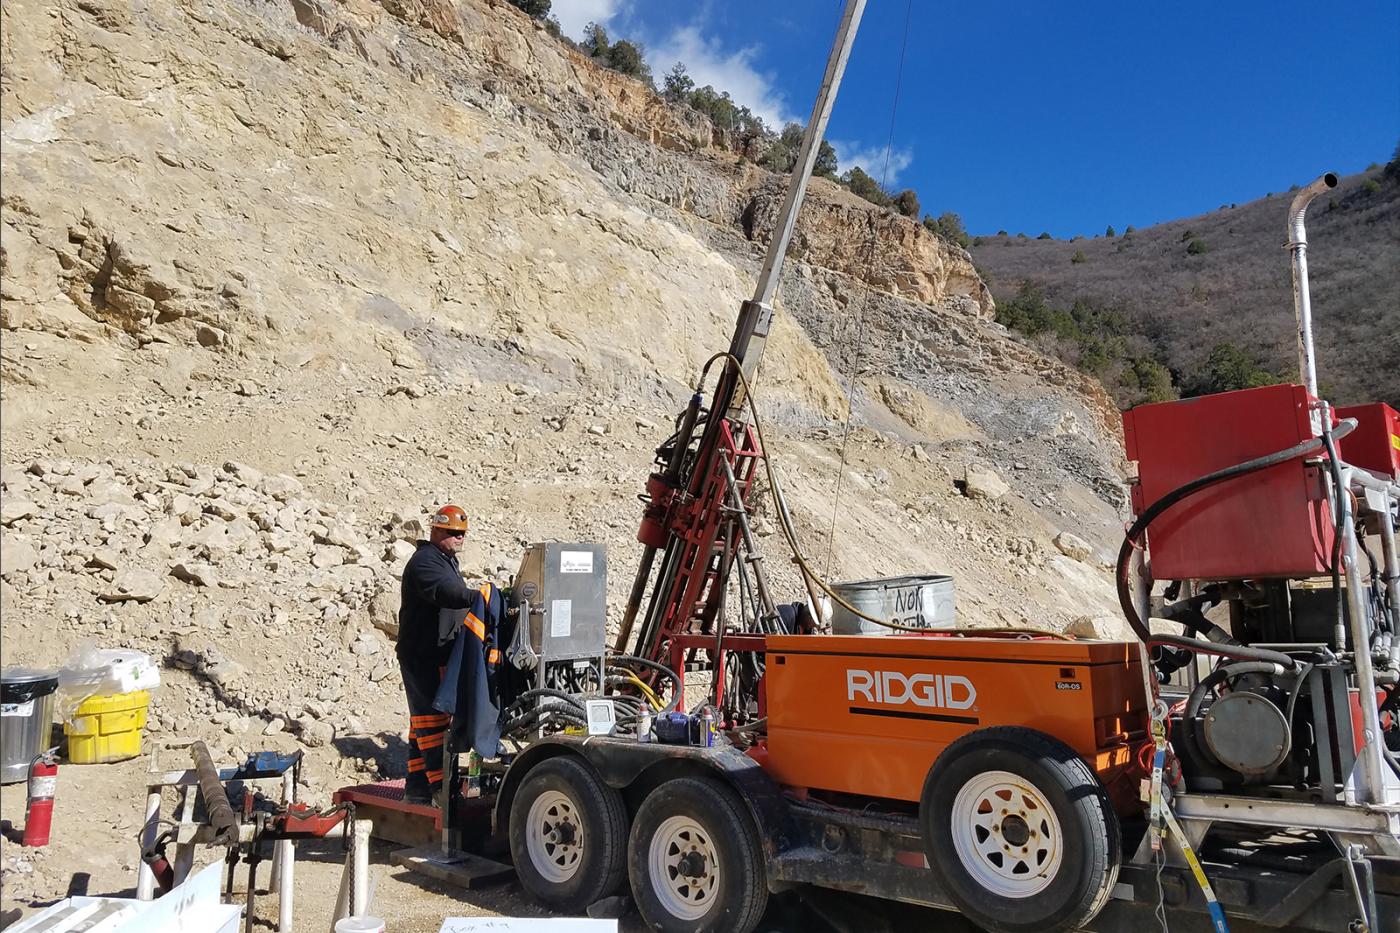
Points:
(107, 728)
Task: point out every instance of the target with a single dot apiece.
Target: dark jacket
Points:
(435, 598)
(471, 688)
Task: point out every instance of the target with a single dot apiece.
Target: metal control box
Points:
(1272, 523)
(564, 587)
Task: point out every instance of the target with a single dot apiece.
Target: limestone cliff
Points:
(413, 252)
(574, 94)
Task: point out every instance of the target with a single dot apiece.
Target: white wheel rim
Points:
(554, 837)
(684, 868)
(1006, 834)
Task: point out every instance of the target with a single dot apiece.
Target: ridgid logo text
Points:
(944, 691)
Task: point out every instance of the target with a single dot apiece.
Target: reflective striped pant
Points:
(427, 728)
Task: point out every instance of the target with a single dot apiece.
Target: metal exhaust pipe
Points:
(1302, 303)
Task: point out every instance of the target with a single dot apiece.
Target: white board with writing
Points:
(575, 561)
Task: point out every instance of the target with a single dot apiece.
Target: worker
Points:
(435, 600)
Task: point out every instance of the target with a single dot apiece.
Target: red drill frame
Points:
(691, 601)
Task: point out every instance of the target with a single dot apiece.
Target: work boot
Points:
(418, 793)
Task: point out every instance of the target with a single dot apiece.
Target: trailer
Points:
(704, 835)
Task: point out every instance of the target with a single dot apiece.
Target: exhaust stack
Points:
(1302, 303)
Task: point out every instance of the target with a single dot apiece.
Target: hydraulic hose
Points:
(1240, 652)
(622, 660)
(568, 709)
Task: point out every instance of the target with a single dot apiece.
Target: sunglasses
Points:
(449, 533)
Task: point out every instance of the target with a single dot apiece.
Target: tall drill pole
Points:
(756, 314)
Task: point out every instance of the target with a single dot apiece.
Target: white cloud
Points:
(871, 160)
(708, 63)
(575, 14)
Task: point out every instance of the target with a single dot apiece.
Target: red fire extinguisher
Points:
(38, 812)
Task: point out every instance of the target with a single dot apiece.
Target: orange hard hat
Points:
(451, 518)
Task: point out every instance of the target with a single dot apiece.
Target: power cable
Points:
(865, 298)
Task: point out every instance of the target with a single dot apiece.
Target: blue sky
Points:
(1030, 116)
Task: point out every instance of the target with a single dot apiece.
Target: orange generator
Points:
(869, 716)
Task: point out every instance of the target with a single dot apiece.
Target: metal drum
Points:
(917, 601)
(26, 719)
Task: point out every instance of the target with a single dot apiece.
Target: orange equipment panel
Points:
(869, 714)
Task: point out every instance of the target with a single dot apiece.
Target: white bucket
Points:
(360, 925)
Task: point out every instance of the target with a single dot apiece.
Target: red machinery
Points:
(1273, 523)
(1375, 444)
(1245, 500)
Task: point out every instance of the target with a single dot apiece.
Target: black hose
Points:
(1296, 692)
(549, 692)
(1240, 652)
(1135, 532)
(1390, 758)
(622, 660)
(1336, 471)
(525, 720)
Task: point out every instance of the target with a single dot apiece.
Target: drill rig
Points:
(1236, 761)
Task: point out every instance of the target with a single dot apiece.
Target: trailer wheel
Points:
(568, 835)
(1020, 831)
(695, 860)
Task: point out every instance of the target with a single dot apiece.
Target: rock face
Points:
(841, 232)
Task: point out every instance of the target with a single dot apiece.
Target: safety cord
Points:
(865, 298)
(1162, 823)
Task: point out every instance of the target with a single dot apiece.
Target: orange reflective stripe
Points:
(434, 777)
(432, 741)
(485, 591)
(427, 722)
(415, 765)
(477, 626)
(436, 719)
(494, 656)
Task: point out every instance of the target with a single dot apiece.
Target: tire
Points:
(728, 892)
(568, 835)
(1061, 821)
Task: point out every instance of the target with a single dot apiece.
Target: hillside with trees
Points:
(1205, 304)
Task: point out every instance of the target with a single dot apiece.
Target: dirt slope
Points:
(1239, 289)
